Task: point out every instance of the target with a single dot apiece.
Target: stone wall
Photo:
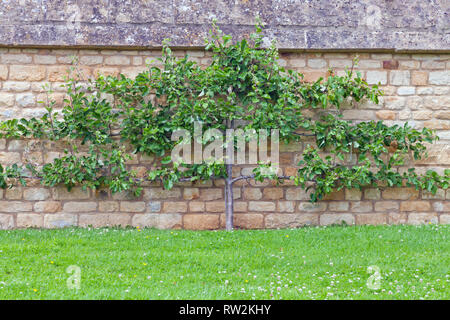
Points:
(297, 24)
(417, 90)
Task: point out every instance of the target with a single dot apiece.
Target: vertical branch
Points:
(229, 199)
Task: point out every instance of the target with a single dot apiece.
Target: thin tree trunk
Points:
(229, 201)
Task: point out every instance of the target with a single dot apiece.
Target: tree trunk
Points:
(229, 201)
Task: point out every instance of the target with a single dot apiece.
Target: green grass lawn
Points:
(307, 263)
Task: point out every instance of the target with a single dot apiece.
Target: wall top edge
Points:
(394, 25)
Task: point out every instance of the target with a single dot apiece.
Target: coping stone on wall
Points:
(393, 25)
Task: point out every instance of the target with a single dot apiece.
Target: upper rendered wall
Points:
(413, 25)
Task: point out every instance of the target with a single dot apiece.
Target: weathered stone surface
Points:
(9, 157)
(397, 218)
(440, 194)
(176, 206)
(108, 206)
(36, 194)
(60, 220)
(15, 206)
(443, 206)
(361, 206)
(103, 220)
(338, 206)
(261, 206)
(245, 221)
(291, 220)
(215, 206)
(335, 195)
(371, 218)
(353, 194)
(211, 194)
(386, 206)
(296, 194)
(191, 193)
(132, 206)
(419, 206)
(376, 77)
(196, 206)
(440, 77)
(6, 221)
(240, 206)
(6, 100)
(400, 194)
(201, 221)
(286, 206)
(153, 206)
(336, 218)
(27, 220)
(159, 221)
(444, 219)
(14, 193)
(422, 218)
(372, 194)
(47, 206)
(412, 25)
(75, 206)
(161, 193)
(312, 207)
(275, 193)
(386, 115)
(27, 73)
(252, 193)
(61, 193)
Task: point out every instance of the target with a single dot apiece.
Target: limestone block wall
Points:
(417, 90)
